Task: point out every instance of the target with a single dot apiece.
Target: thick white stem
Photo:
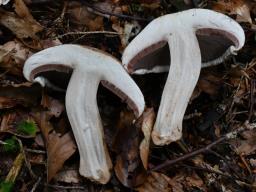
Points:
(84, 117)
(182, 78)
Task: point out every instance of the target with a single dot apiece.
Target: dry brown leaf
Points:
(234, 7)
(54, 106)
(42, 120)
(148, 119)
(129, 30)
(209, 83)
(23, 95)
(128, 168)
(59, 149)
(108, 7)
(247, 145)
(160, 183)
(195, 181)
(21, 27)
(6, 102)
(47, 43)
(80, 15)
(12, 57)
(68, 176)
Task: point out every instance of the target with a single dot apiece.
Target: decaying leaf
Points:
(6, 102)
(23, 95)
(234, 7)
(80, 15)
(148, 119)
(59, 149)
(209, 83)
(23, 24)
(128, 168)
(129, 30)
(12, 57)
(68, 176)
(160, 182)
(246, 145)
(55, 106)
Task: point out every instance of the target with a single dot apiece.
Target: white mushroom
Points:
(181, 43)
(89, 67)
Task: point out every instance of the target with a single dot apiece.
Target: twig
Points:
(27, 163)
(239, 182)
(114, 14)
(252, 89)
(35, 151)
(230, 135)
(89, 33)
(64, 187)
(231, 169)
(36, 185)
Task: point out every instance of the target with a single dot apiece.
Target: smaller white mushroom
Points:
(181, 43)
(80, 70)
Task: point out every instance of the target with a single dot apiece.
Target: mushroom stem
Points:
(182, 78)
(82, 110)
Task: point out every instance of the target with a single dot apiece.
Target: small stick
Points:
(114, 14)
(229, 135)
(89, 33)
(36, 185)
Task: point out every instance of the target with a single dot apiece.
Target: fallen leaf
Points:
(107, 6)
(160, 182)
(42, 119)
(80, 15)
(23, 96)
(47, 43)
(68, 176)
(6, 103)
(148, 119)
(54, 106)
(209, 83)
(59, 149)
(129, 30)
(234, 7)
(12, 57)
(128, 168)
(246, 145)
(22, 28)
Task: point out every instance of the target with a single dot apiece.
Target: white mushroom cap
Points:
(202, 21)
(181, 43)
(88, 67)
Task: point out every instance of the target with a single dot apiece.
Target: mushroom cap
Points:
(218, 36)
(56, 64)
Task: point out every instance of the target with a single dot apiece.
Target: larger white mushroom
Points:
(196, 38)
(87, 67)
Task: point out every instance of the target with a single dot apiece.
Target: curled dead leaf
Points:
(59, 149)
(80, 15)
(148, 119)
(128, 168)
(12, 57)
(160, 182)
(23, 24)
(241, 8)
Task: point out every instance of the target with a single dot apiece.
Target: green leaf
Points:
(6, 186)
(11, 145)
(27, 127)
